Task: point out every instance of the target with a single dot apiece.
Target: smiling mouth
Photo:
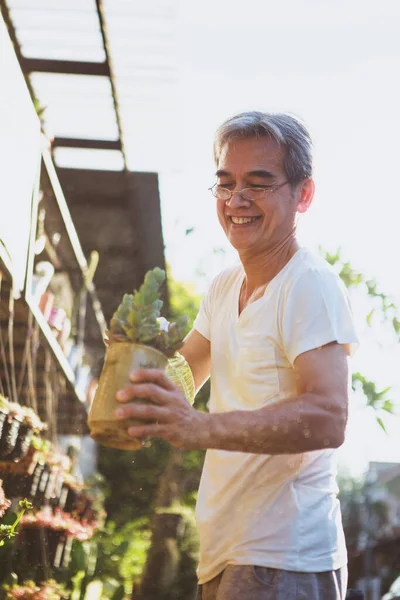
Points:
(243, 220)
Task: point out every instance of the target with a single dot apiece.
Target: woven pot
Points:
(43, 547)
(121, 359)
(9, 435)
(23, 441)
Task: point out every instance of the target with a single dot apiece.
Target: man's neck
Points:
(261, 269)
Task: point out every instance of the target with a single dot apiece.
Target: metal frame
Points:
(13, 36)
(67, 67)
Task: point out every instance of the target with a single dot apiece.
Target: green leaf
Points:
(396, 324)
(381, 423)
(389, 406)
(379, 395)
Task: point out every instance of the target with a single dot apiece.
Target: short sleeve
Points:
(202, 322)
(220, 285)
(316, 312)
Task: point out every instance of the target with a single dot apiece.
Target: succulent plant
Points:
(31, 419)
(138, 320)
(24, 413)
(4, 404)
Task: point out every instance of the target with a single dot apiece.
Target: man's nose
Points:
(237, 199)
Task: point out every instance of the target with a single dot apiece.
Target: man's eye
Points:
(227, 186)
(260, 187)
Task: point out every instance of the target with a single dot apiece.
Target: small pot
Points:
(121, 359)
(9, 435)
(3, 417)
(22, 443)
(43, 547)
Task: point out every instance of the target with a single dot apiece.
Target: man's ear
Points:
(306, 195)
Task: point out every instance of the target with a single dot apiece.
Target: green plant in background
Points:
(26, 414)
(134, 480)
(7, 532)
(138, 320)
(39, 109)
(383, 311)
(122, 551)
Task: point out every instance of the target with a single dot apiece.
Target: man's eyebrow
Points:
(262, 173)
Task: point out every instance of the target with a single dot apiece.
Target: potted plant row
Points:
(46, 478)
(45, 538)
(29, 590)
(138, 338)
(17, 426)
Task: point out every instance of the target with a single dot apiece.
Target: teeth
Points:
(243, 220)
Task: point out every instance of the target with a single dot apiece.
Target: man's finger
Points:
(147, 412)
(143, 390)
(152, 376)
(148, 431)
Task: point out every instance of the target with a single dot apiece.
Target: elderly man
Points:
(274, 334)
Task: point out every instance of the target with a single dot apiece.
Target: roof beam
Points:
(13, 36)
(63, 142)
(66, 67)
(104, 35)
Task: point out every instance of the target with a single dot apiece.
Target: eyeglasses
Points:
(251, 194)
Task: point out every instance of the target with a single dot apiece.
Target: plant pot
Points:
(3, 417)
(36, 477)
(121, 359)
(9, 436)
(22, 443)
(44, 547)
(43, 488)
(23, 485)
(68, 499)
(17, 486)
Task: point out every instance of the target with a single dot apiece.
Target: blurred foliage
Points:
(133, 479)
(122, 551)
(384, 307)
(378, 401)
(384, 310)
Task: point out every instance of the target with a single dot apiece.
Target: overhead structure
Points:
(103, 110)
(104, 72)
(63, 51)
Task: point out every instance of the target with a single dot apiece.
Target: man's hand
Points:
(173, 419)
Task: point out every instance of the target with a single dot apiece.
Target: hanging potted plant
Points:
(31, 425)
(52, 532)
(21, 479)
(10, 426)
(138, 338)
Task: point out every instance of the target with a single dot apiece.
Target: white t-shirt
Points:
(278, 511)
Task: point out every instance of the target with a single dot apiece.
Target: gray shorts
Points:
(245, 582)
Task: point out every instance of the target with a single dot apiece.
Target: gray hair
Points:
(287, 131)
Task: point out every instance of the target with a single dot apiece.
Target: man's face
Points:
(255, 163)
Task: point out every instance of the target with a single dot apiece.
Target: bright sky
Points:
(335, 64)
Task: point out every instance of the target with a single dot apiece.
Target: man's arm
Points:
(314, 419)
(196, 351)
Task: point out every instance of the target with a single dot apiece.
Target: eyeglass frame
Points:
(266, 189)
